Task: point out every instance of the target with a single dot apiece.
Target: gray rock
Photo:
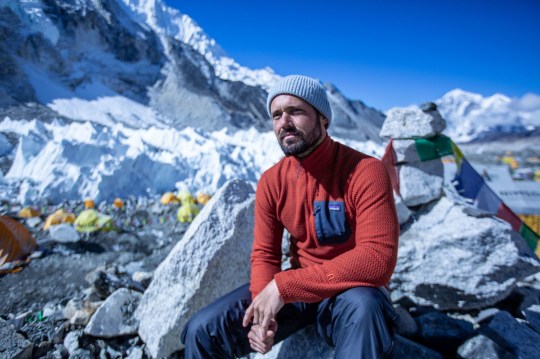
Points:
(406, 325)
(305, 343)
(143, 277)
(481, 347)
(421, 182)
(513, 336)
(136, 353)
(405, 151)
(450, 260)
(406, 123)
(532, 314)
(79, 311)
(80, 353)
(407, 349)
(115, 317)
(33, 222)
(211, 259)
(12, 344)
(403, 212)
(486, 314)
(71, 341)
(107, 280)
(439, 331)
(64, 233)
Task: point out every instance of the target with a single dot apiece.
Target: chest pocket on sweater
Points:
(331, 222)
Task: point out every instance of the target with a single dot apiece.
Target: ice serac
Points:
(211, 259)
(451, 259)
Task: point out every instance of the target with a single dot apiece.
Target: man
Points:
(337, 204)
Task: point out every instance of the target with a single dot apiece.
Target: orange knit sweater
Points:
(285, 198)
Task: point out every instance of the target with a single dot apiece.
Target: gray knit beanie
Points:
(306, 88)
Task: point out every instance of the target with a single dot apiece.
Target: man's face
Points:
(298, 127)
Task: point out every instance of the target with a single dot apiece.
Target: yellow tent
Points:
(185, 197)
(16, 242)
(187, 212)
(91, 220)
(203, 198)
(60, 216)
(169, 198)
(29, 212)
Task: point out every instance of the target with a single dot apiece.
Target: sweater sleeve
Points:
(371, 262)
(266, 254)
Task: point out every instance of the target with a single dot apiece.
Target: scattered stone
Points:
(443, 333)
(305, 343)
(513, 336)
(71, 341)
(481, 347)
(12, 344)
(532, 314)
(406, 325)
(33, 222)
(80, 353)
(64, 233)
(407, 349)
(115, 317)
(486, 314)
(143, 277)
(107, 281)
(136, 353)
(79, 311)
(211, 259)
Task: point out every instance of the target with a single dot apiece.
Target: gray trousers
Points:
(358, 323)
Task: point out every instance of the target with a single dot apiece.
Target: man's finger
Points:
(264, 326)
(248, 316)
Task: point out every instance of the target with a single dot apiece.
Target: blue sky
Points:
(385, 53)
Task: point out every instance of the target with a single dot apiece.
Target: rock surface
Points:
(451, 260)
(407, 123)
(12, 344)
(421, 182)
(212, 259)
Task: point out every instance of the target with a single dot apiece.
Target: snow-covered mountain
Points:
(472, 117)
(106, 98)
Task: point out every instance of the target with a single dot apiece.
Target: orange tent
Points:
(89, 203)
(118, 203)
(15, 240)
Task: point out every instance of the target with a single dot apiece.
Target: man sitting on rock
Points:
(337, 204)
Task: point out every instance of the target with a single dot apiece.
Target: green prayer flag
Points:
(530, 236)
(433, 147)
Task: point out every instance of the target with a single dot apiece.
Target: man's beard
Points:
(303, 143)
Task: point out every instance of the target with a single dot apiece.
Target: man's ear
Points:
(324, 121)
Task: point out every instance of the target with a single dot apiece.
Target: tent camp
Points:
(169, 198)
(59, 216)
(16, 242)
(29, 212)
(91, 220)
(523, 197)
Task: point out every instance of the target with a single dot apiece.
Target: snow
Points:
(33, 17)
(170, 23)
(60, 161)
(471, 116)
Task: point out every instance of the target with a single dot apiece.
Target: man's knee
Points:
(360, 302)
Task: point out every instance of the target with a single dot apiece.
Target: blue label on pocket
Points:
(331, 224)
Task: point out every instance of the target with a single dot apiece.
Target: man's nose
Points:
(285, 120)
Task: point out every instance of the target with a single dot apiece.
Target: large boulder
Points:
(211, 259)
(451, 259)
